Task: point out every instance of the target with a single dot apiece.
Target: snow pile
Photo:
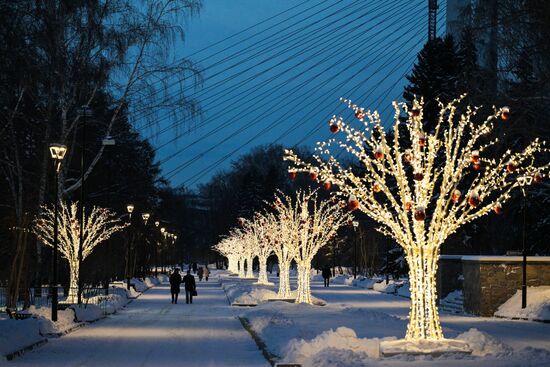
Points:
(341, 279)
(366, 283)
(482, 344)
(151, 281)
(255, 296)
(317, 277)
(87, 313)
(65, 320)
(139, 285)
(120, 287)
(391, 287)
(18, 334)
(404, 290)
(163, 278)
(538, 305)
(343, 338)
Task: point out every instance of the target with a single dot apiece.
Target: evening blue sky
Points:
(283, 89)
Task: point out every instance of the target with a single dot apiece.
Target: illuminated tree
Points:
(423, 185)
(228, 247)
(310, 225)
(99, 225)
(262, 233)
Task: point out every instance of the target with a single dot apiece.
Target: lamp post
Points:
(157, 223)
(84, 111)
(57, 152)
(130, 210)
(145, 216)
(163, 233)
(524, 181)
(355, 227)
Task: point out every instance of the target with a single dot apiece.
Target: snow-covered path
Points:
(153, 332)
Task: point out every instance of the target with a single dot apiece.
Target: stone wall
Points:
(489, 281)
(449, 274)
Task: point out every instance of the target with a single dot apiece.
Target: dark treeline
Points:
(112, 56)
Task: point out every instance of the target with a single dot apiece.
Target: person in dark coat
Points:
(326, 275)
(190, 287)
(200, 273)
(194, 268)
(175, 281)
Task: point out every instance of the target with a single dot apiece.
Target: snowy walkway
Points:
(153, 332)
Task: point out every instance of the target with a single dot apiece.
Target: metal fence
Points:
(42, 297)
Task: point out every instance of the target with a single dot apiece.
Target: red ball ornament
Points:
(327, 185)
(456, 196)
(473, 199)
(378, 154)
(418, 176)
(415, 112)
(334, 128)
(474, 157)
(353, 203)
(376, 188)
(511, 166)
(407, 156)
(422, 139)
(313, 174)
(360, 113)
(292, 174)
(408, 206)
(476, 166)
(419, 214)
(505, 113)
(537, 178)
(498, 208)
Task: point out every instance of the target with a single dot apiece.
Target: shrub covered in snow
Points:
(366, 283)
(17, 334)
(87, 312)
(482, 344)
(65, 320)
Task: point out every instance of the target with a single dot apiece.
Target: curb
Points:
(28, 348)
(270, 357)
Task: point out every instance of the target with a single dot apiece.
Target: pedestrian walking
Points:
(326, 275)
(206, 272)
(175, 281)
(190, 287)
(194, 268)
(200, 273)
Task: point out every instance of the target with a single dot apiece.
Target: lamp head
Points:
(145, 216)
(157, 223)
(130, 208)
(58, 151)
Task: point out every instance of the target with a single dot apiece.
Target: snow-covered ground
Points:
(153, 332)
(347, 330)
(538, 305)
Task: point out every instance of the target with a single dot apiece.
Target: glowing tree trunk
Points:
(421, 186)
(231, 264)
(249, 267)
(309, 224)
(262, 273)
(100, 224)
(242, 274)
(284, 279)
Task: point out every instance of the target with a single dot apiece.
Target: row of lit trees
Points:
(295, 229)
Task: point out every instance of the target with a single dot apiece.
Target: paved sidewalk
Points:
(153, 332)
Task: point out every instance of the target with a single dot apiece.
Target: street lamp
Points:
(355, 227)
(130, 210)
(524, 181)
(145, 217)
(57, 152)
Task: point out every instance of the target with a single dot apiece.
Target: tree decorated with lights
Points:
(229, 247)
(261, 234)
(310, 225)
(99, 225)
(422, 186)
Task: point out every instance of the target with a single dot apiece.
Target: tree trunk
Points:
(262, 274)
(423, 317)
(304, 290)
(73, 283)
(284, 280)
(241, 268)
(249, 268)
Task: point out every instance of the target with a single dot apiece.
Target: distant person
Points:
(200, 272)
(190, 287)
(175, 281)
(206, 272)
(326, 275)
(194, 268)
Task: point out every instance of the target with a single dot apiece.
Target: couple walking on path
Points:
(189, 282)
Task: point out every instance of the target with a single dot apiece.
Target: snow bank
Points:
(341, 279)
(87, 313)
(343, 338)
(404, 290)
(65, 320)
(255, 296)
(18, 334)
(139, 285)
(482, 344)
(366, 283)
(538, 305)
(391, 287)
(163, 278)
